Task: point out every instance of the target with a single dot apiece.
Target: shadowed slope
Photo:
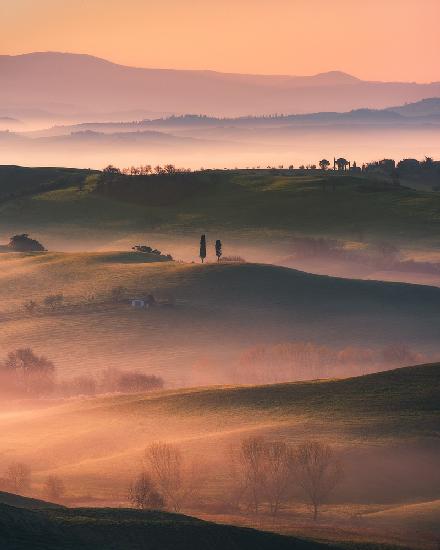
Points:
(90, 529)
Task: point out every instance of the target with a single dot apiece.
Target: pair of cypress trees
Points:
(218, 248)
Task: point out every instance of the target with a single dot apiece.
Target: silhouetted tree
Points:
(251, 458)
(428, 162)
(324, 164)
(203, 248)
(218, 249)
(278, 467)
(341, 163)
(318, 472)
(408, 165)
(111, 170)
(166, 466)
(142, 493)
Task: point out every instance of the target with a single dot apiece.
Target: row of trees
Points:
(340, 164)
(23, 373)
(18, 479)
(145, 170)
(264, 475)
(302, 360)
(290, 361)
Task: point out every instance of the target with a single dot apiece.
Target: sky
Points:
(371, 39)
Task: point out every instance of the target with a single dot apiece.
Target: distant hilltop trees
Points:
(339, 164)
(145, 170)
(23, 243)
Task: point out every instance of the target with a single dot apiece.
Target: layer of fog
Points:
(298, 147)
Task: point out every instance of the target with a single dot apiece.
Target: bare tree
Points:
(251, 457)
(166, 465)
(318, 472)
(18, 475)
(142, 493)
(236, 490)
(54, 487)
(278, 459)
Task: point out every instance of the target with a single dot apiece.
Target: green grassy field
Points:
(237, 204)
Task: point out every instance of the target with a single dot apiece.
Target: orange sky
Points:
(372, 39)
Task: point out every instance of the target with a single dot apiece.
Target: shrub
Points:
(29, 373)
(23, 243)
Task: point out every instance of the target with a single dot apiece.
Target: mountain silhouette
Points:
(74, 84)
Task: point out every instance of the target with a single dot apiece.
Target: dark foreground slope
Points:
(18, 501)
(114, 529)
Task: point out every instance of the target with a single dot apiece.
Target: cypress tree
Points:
(218, 249)
(202, 248)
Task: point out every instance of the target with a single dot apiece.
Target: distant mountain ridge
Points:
(426, 107)
(74, 83)
(419, 114)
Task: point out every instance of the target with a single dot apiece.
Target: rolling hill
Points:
(267, 207)
(384, 426)
(221, 310)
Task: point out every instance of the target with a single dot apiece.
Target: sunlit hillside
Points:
(209, 312)
(369, 420)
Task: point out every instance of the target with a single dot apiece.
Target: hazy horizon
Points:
(220, 274)
(299, 37)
